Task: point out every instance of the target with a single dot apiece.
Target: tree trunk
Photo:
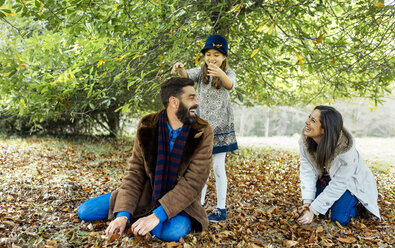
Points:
(113, 121)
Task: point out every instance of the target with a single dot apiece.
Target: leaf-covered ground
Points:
(44, 180)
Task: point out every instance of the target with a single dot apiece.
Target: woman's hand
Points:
(301, 209)
(307, 216)
(179, 68)
(144, 225)
(304, 214)
(117, 224)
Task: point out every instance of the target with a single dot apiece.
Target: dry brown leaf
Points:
(254, 246)
(94, 234)
(326, 243)
(33, 234)
(312, 237)
(136, 238)
(114, 237)
(172, 244)
(290, 243)
(181, 240)
(51, 242)
(349, 240)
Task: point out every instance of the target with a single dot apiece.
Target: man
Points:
(170, 164)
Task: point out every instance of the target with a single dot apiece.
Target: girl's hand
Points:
(179, 67)
(307, 217)
(215, 71)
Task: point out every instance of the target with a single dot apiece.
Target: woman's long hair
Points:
(216, 81)
(332, 123)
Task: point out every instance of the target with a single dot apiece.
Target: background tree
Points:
(73, 65)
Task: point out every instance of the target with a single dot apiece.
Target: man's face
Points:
(186, 112)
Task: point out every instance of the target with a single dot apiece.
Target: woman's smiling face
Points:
(313, 128)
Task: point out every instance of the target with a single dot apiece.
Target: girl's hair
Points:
(216, 81)
(332, 123)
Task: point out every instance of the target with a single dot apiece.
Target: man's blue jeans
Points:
(169, 230)
(344, 208)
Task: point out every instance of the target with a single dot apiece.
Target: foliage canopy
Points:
(85, 63)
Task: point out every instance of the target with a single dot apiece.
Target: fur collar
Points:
(344, 144)
(147, 134)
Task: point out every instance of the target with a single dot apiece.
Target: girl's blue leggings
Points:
(344, 208)
(170, 230)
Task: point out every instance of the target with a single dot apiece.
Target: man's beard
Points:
(183, 114)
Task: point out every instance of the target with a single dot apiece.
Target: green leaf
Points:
(6, 11)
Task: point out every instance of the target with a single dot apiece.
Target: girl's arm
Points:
(179, 67)
(215, 71)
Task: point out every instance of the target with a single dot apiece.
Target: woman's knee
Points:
(342, 219)
(343, 210)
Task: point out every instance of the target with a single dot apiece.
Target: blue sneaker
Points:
(217, 215)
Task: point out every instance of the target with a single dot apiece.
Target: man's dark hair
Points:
(173, 87)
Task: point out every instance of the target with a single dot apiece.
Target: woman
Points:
(332, 174)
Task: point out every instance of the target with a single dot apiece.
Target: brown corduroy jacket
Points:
(135, 192)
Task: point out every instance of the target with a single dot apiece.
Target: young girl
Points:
(214, 81)
(332, 174)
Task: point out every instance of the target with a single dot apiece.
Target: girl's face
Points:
(215, 57)
(313, 128)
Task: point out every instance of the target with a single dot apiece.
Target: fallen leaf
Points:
(290, 243)
(114, 237)
(338, 224)
(319, 229)
(349, 240)
(51, 242)
(172, 244)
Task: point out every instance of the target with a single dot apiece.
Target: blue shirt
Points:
(173, 134)
(159, 211)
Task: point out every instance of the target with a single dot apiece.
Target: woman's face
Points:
(215, 57)
(313, 128)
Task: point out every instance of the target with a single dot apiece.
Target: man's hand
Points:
(144, 225)
(117, 224)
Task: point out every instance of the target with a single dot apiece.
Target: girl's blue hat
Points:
(216, 42)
